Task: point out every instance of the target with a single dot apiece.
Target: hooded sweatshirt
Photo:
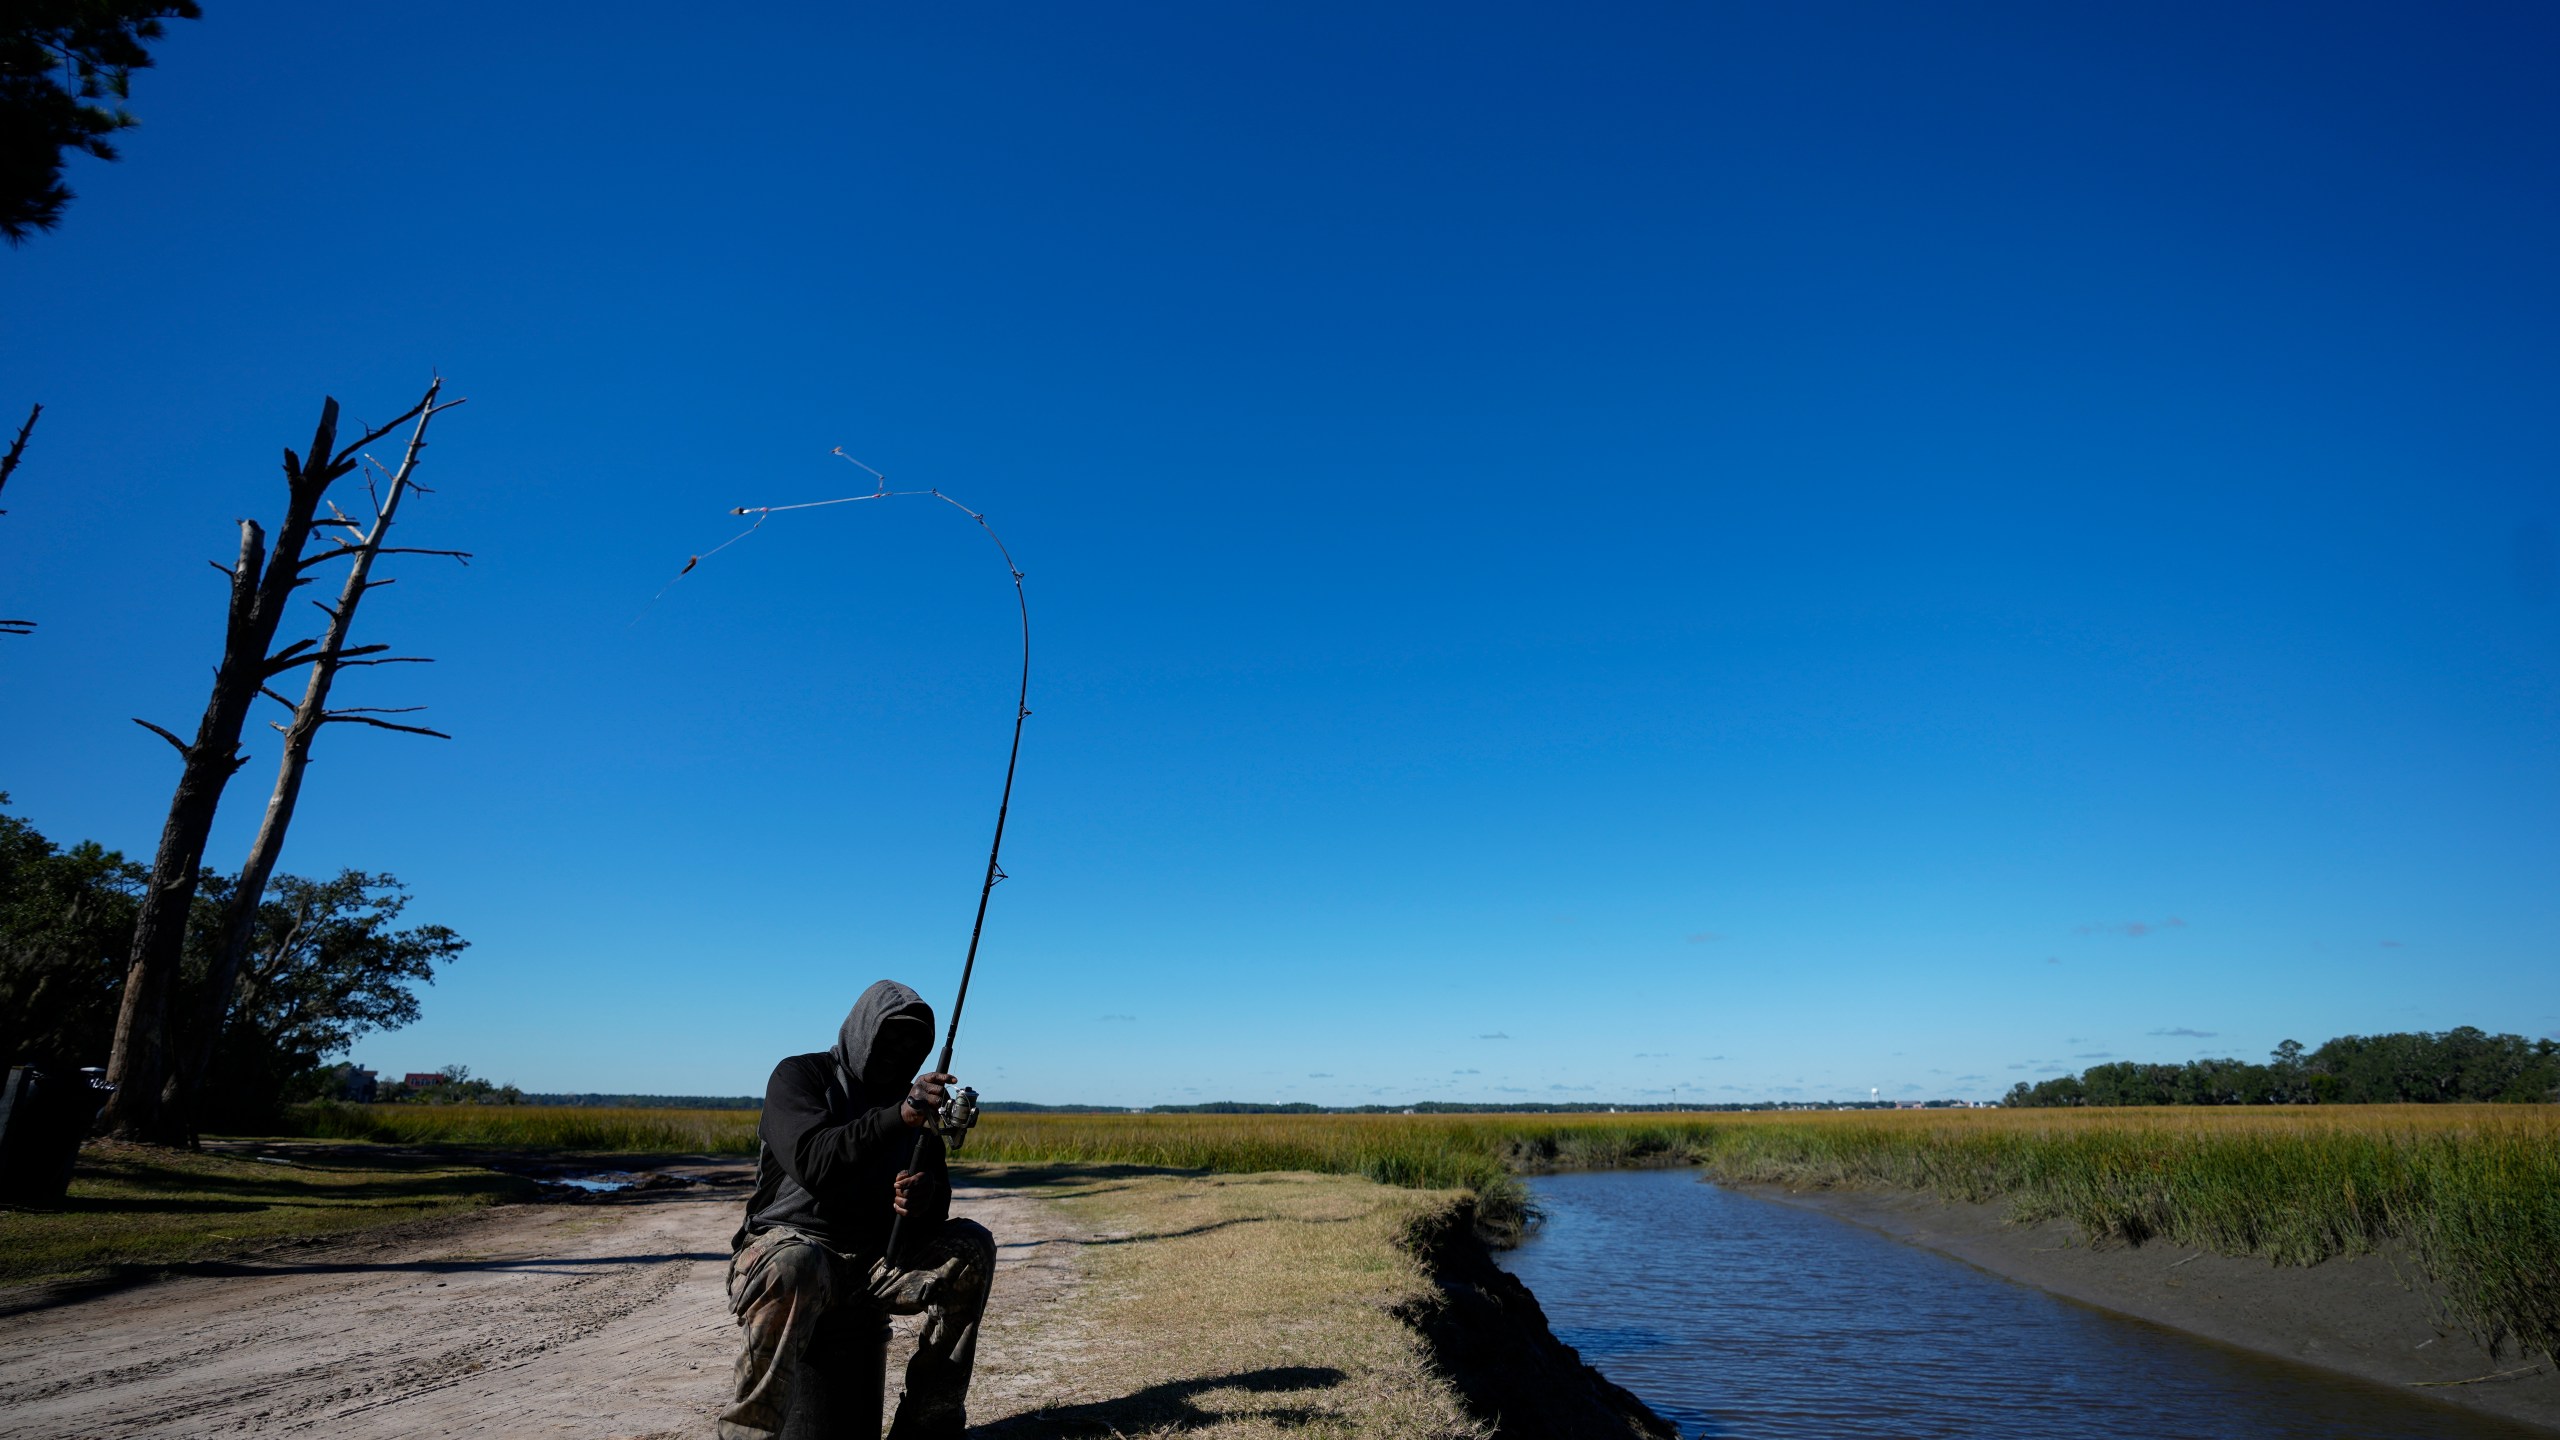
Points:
(834, 1139)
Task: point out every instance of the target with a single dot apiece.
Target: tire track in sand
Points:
(588, 1320)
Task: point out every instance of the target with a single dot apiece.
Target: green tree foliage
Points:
(66, 921)
(2465, 1064)
(331, 963)
(58, 60)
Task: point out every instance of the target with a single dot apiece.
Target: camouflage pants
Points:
(817, 1331)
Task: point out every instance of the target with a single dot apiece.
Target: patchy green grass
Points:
(1238, 1307)
(142, 1205)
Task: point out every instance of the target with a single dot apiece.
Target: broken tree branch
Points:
(300, 653)
(387, 725)
(17, 448)
(345, 550)
(163, 734)
(345, 460)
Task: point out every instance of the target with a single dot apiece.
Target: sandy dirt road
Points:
(604, 1319)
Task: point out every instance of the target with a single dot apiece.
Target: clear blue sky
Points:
(1773, 550)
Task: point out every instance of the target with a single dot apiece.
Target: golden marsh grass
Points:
(2473, 1191)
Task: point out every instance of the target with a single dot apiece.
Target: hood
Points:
(858, 1050)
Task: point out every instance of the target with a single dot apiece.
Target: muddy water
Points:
(1734, 1317)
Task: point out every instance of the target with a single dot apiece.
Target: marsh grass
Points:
(591, 1129)
(2473, 1191)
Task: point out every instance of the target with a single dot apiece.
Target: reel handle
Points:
(947, 1131)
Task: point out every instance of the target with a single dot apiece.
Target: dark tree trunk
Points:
(240, 916)
(262, 584)
(139, 1061)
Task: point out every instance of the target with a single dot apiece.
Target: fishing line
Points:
(1021, 703)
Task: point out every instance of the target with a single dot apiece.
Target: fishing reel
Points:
(959, 1113)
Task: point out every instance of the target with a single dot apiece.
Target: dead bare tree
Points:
(240, 916)
(262, 585)
(9, 467)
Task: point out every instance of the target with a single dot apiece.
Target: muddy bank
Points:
(2375, 1317)
(1487, 1333)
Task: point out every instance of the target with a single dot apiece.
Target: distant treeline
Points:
(2464, 1064)
(652, 1102)
(1026, 1107)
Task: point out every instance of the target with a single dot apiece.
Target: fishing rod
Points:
(950, 1125)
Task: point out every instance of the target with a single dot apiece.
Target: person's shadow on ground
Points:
(1170, 1406)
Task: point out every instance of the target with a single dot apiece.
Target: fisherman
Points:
(810, 1278)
